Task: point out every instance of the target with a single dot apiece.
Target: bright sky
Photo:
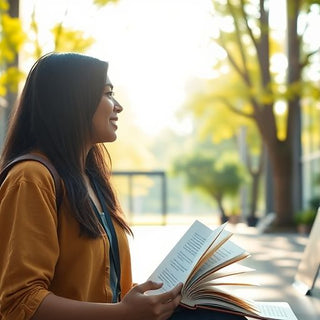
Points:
(154, 48)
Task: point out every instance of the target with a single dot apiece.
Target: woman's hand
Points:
(139, 306)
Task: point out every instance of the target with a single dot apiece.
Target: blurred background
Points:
(221, 100)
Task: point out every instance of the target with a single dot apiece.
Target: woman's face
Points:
(104, 121)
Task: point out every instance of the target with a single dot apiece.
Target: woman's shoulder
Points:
(30, 171)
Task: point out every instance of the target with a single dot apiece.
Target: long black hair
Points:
(54, 116)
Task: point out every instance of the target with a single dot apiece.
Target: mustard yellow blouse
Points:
(42, 252)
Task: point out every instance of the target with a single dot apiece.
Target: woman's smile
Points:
(114, 122)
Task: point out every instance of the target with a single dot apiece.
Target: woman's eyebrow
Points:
(109, 85)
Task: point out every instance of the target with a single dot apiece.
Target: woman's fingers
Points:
(153, 306)
(171, 295)
(148, 285)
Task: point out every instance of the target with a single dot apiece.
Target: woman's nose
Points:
(117, 106)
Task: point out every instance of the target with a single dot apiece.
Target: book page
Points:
(181, 260)
(275, 310)
(228, 253)
(215, 297)
(228, 283)
(267, 310)
(230, 270)
(217, 243)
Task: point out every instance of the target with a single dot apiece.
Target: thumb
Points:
(149, 285)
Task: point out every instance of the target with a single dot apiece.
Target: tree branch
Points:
(306, 61)
(240, 44)
(244, 16)
(236, 110)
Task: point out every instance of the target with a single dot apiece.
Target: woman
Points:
(58, 265)
(70, 262)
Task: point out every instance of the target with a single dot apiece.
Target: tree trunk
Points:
(223, 216)
(284, 155)
(255, 174)
(281, 159)
(254, 193)
(252, 218)
(294, 102)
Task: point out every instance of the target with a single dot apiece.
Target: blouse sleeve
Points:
(29, 244)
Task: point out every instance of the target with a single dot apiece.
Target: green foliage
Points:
(216, 178)
(212, 107)
(305, 217)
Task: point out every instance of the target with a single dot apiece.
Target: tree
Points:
(210, 107)
(245, 36)
(215, 178)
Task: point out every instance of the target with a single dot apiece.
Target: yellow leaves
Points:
(294, 90)
(3, 89)
(101, 3)
(312, 90)
(12, 37)
(4, 6)
(70, 40)
(262, 96)
(10, 79)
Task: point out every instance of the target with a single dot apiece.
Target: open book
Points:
(206, 262)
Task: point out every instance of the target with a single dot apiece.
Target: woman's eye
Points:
(110, 94)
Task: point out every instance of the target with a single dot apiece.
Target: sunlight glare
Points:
(154, 48)
(280, 107)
